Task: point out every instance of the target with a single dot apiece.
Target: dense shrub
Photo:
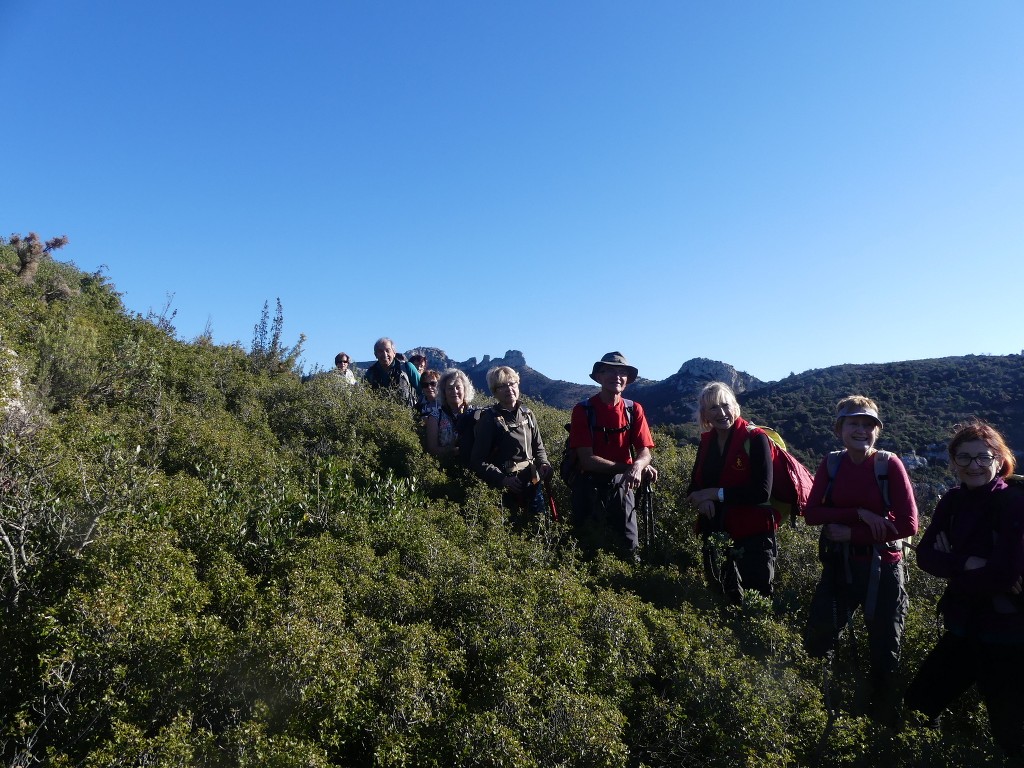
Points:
(209, 561)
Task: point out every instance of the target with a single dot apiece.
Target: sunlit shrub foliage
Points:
(208, 561)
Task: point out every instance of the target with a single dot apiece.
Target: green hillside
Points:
(208, 562)
(920, 400)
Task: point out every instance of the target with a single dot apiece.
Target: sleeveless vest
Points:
(741, 520)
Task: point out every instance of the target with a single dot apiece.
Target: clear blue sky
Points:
(779, 186)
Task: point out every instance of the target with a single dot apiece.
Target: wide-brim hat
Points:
(856, 410)
(618, 360)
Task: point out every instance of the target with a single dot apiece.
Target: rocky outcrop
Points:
(17, 414)
(438, 360)
(674, 399)
(913, 461)
(703, 370)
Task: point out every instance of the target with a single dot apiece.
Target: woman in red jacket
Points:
(731, 486)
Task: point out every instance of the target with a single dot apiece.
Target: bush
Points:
(209, 561)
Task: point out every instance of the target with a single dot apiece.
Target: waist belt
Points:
(598, 478)
(519, 466)
(861, 550)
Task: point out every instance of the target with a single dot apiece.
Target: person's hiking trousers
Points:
(604, 513)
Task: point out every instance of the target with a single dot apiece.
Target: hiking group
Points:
(608, 453)
(742, 481)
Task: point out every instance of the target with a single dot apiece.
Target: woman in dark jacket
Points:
(508, 451)
(976, 542)
(731, 486)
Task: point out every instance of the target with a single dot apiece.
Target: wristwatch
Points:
(721, 495)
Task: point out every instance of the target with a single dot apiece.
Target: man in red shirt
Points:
(613, 447)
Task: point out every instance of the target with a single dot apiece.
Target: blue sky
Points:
(779, 186)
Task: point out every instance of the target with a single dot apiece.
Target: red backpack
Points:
(791, 480)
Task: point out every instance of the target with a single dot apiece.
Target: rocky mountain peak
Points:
(703, 370)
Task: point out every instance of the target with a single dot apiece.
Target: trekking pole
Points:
(649, 512)
(551, 500)
(830, 722)
(641, 506)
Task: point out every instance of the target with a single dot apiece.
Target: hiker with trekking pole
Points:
(976, 543)
(508, 451)
(731, 487)
(863, 500)
(608, 461)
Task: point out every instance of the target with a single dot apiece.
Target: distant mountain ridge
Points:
(667, 401)
(920, 400)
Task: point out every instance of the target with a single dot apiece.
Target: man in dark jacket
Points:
(392, 373)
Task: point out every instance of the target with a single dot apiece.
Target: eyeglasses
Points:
(431, 384)
(344, 362)
(510, 385)
(983, 460)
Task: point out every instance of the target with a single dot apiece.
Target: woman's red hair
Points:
(986, 433)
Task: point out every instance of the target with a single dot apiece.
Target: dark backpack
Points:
(881, 477)
(466, 428)
(569, 468)
(881, 474)
(465, 431)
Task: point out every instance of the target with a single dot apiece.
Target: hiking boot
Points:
(631, 556)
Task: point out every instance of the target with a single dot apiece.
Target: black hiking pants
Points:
(604, 514)
(955, 664)
(847, 584)
(526, 509)
(750, 564)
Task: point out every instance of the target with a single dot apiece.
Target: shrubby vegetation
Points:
(207, 561)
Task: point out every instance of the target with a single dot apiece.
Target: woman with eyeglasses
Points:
(863, 500)
(446, 409)
(508, 451)
(976, 543)
(428, 395)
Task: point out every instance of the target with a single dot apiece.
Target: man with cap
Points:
(613, 447)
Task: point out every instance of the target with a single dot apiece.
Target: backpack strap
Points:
(531, 422)
(882, 475)
(606, 431)
(832, 462)
(402, 375)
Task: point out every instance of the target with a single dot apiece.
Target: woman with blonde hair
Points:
(508, 451)
(444, 414)
(731, 486)
(863, 500)
(976, 543)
